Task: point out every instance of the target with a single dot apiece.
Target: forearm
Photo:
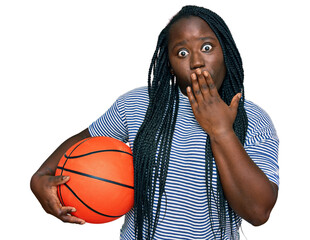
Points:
(50, 165)
(247, 189)
(44, 184)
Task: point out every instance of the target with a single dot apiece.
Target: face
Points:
(192, 45)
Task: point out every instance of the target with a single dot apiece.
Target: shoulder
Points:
(140, 92)
(259, 122)
(134, 102)
(255, 113)
(137, 95)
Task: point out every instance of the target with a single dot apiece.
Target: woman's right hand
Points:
(44, 184)
(44, 188)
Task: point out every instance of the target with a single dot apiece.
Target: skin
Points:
(200, 71)
(44, 184)
(196, 59)
(189, 50)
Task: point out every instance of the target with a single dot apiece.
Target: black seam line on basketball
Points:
(105, 215)
(60, 195)
(83, 141)
(107, 150)
(95, 177)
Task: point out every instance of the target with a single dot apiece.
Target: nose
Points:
(197, 61)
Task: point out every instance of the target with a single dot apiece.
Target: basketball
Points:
(101, 185)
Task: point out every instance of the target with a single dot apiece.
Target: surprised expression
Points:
(192, 44)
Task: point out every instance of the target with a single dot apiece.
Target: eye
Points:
(206, 47)
(183, 53)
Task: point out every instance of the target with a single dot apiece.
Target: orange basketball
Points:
(101, 185)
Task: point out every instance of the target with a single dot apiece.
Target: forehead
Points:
(190, 27)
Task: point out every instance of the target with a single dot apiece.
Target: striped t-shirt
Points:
(184, 211)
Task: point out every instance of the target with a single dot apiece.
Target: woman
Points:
(204, 157)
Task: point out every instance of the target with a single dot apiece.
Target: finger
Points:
(202, 83)
(54, 207)
(212, 88)
(66, 216)
(195, 85)
(57, 180)
(191, 98)
(235, 102)
(63, 212)
(73, 219)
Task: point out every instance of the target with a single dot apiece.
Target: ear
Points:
(171, 70)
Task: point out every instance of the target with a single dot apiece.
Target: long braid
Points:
(153, 141)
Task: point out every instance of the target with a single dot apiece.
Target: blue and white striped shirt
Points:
(184, 211)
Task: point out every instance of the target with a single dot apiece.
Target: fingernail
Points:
(193, 76)
(65, 177)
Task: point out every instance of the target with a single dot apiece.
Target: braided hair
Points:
(152, 144)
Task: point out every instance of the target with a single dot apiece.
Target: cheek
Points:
(182, 78)
(219, 74)
(222, 75)
(180, 70)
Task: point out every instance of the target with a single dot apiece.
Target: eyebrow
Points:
(202, 39)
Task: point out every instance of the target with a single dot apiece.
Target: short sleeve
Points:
(112, 123)
(262, 143)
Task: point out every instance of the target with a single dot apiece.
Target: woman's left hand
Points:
(211, 112)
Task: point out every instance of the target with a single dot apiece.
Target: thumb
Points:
(60, 179)
(235, 102)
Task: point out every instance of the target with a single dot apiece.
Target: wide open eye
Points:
(206, 47)
(183, 53)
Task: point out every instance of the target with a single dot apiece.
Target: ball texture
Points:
(101, 185)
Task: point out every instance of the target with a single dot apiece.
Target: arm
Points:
(44, 184)
(247, 189)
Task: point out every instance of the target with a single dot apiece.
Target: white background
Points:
(63, 63)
